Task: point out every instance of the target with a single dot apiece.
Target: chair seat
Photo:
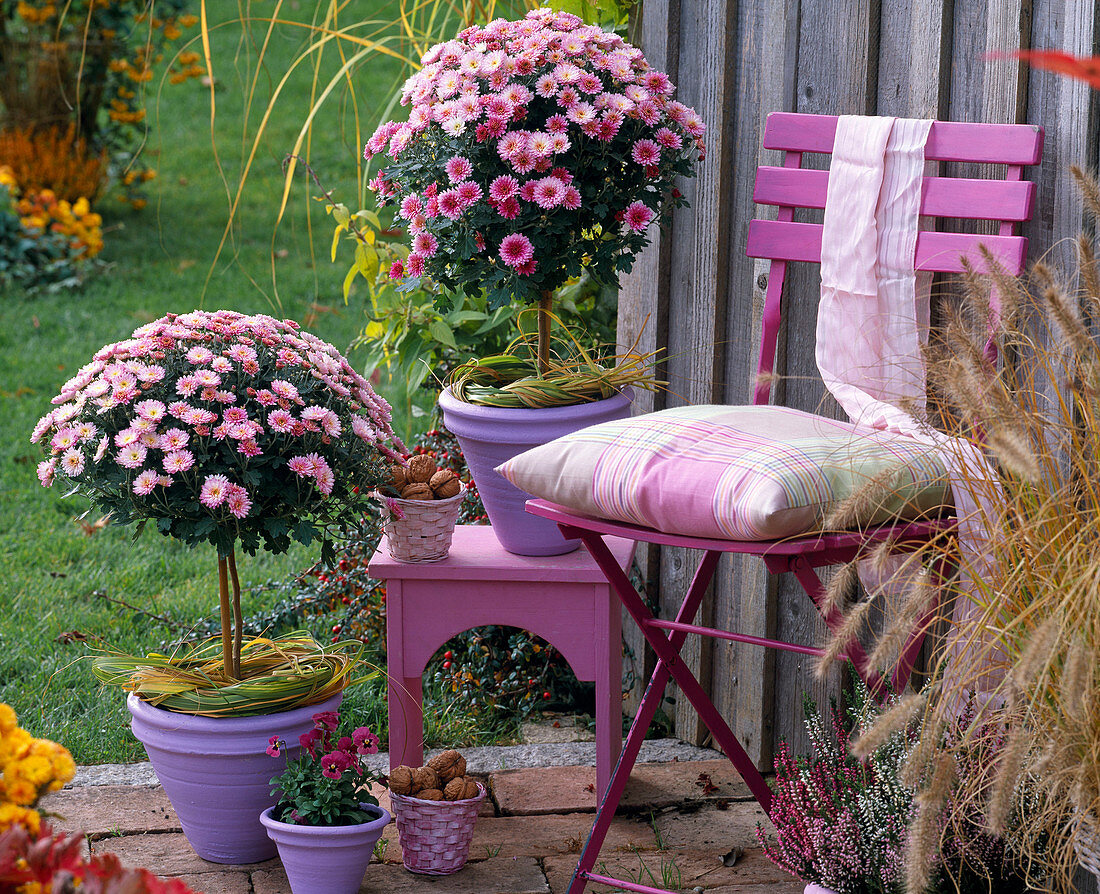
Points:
(745, 473)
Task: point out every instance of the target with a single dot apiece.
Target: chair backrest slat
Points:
(1005, 199)
(940, 196)
(1013, 144)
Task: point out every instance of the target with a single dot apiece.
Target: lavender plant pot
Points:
(490, 436)
(326, 859)
(817, 889)
(217, 773)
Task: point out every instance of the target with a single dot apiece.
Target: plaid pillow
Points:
(735, 473)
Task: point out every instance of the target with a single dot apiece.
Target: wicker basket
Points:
(1087, 844)
(435, 835)
(420, 530)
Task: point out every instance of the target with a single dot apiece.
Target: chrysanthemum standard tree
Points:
(533, 150)
(224, 429)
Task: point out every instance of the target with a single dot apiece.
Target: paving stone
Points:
(538, 836)
(753, 873)
(165, 854)
(499, 876)
(710, 827)
(103, 810)
(225, 882)
(545, 790)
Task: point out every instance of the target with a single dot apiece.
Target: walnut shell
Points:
(417, 492)
(421, 468)
(453, 790)
(445, 483)
(401, 780)
(430, 794)
(426, 778)
(470, 791)
(449, 765)
(398, 478)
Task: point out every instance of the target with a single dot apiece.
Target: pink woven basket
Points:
(420, 530)
(435, 835)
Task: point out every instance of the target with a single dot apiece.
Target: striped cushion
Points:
(734, 473)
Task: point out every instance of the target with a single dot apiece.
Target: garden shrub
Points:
(54, 158)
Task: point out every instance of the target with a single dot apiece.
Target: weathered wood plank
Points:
(700, 266)
(915, 46)
(742, 676)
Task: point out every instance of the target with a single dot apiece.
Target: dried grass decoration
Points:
(275, 675)
(1029, 647)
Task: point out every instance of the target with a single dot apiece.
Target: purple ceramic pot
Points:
(817, 889)
(217, 773)
(490, 436)
(326, 859)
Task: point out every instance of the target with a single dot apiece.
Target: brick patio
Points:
(526, 841)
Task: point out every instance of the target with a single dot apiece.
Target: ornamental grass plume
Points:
(533, 150)
(1029, 647)
(225, 429)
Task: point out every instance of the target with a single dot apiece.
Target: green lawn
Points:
(59, 584)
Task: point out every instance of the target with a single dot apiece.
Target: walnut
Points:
(401, 780)
(453, 790)
(430, 794)
(471, 790)
(398, 478)
(448, 765)
(445, 483)
(426, 777)
(417, 492)
(420, 469)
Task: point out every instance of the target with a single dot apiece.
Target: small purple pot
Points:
(326, 859)
(490, 436)
(817, 889)
(217, 773)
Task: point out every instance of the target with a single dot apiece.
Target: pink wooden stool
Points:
(564, 599)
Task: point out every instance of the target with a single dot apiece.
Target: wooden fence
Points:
(696, 295)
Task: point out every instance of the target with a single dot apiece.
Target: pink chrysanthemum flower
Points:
(173, 439)
(581, 113)
(424, 244)
(411, 206)
(178, 461)
(468, 193)
(509, 209)
(207, 378)
(235, 414)
(145, 482)
(546, 86)
(63, 438)
(458, 169)
(572, 200)
(72, 462)
(511, 143)
(45, 471)
(237, 501)
(280, 420)
(669, 138)
(301, 466)
(637, 216)
(516, 250)
(450, 204)
(414, 265)
(284, 389)
(557, 124)
(646, 152)
(503, 187)
(199, 355)
(131, 457)
(549, 192)
(249, 447)
(325, 480)
(241, 353)
(126, 437)
(214, 491)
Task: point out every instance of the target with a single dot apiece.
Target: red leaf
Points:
(1082, 68)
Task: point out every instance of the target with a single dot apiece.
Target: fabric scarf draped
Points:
(873, 319)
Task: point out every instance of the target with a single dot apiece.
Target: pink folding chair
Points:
(1007, 201)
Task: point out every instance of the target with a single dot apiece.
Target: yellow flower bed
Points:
(29, 768)
(43, 211)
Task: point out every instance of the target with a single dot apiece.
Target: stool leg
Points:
(609, 685)
(406, 717)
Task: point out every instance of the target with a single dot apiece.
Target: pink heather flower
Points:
(284, 389)
(669, 138)
(646, 152)
(424, 244)
(199, 355)
(458, 169)
(152, 410)
(72, 462)
(637, 216)
(145, 482)
(503, 187)
(414, 265)
(450, 204)
(178, 461)
(516, 250)
(214, 491)
(131, 457)
(237, 501)
(468, 193)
